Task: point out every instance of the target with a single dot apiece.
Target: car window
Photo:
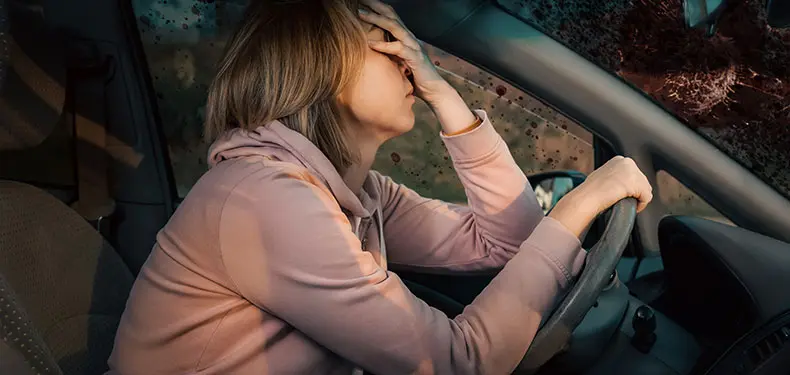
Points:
(539, 138)
(733, 87)
(183, 40)
(680, 200)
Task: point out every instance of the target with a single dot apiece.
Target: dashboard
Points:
(729, 288)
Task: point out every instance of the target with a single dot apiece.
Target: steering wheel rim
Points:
(599, 265)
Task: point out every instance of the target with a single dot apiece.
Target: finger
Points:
(645, 196)
(393, 26)
(381, 8)
(644, 200)
(396, 48)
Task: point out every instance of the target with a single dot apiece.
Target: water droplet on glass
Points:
(145, 21)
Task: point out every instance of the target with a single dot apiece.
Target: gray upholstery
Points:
(72, 284)
(21, 350)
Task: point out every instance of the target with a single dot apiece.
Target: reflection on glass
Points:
(551, 190)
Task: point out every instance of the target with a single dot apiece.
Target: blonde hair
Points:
(288, 61)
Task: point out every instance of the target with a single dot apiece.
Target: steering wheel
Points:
(598, 268)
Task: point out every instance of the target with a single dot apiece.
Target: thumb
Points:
(644, 200)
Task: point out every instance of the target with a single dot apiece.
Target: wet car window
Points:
(733, 87)
(184, 40)
(680, 200)
(539, 138)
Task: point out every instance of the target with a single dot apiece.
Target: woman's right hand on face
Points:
(617, 179)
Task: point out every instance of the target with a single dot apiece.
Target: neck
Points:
(356, 173)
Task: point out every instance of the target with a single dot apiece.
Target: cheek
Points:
(368, 92)
(377, 98)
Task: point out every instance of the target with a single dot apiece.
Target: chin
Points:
(408, 122)
(403, 126)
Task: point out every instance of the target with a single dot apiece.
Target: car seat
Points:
(63, 288)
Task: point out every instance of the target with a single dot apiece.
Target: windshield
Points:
(733, 87)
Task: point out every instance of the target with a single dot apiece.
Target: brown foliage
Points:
(734, 86)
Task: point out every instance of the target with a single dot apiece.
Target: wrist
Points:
(585, 202)
(439, 94)
(576, 210)
(451, 110)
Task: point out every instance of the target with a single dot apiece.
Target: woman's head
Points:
(307, 64)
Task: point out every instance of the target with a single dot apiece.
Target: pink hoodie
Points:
(261, 270)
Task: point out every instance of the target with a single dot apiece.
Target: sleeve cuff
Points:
(556, 242)
(475, 143)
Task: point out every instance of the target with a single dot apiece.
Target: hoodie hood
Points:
(277, 141)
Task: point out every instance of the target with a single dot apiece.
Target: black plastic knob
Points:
(644, 321)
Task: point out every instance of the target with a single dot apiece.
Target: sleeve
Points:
(289, 249)
(435, 236)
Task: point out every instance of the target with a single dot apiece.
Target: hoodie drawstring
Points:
(382, 246)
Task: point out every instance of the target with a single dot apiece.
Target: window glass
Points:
(183, 40)
(680, 200)
(539, 138)
(733, 87)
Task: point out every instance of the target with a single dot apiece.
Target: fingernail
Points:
(363, 12)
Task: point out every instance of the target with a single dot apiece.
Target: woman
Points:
(277, 260)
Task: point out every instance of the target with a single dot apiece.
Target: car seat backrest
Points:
(72, 284)
(63, 287)
(22, 351)
(57, 271)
